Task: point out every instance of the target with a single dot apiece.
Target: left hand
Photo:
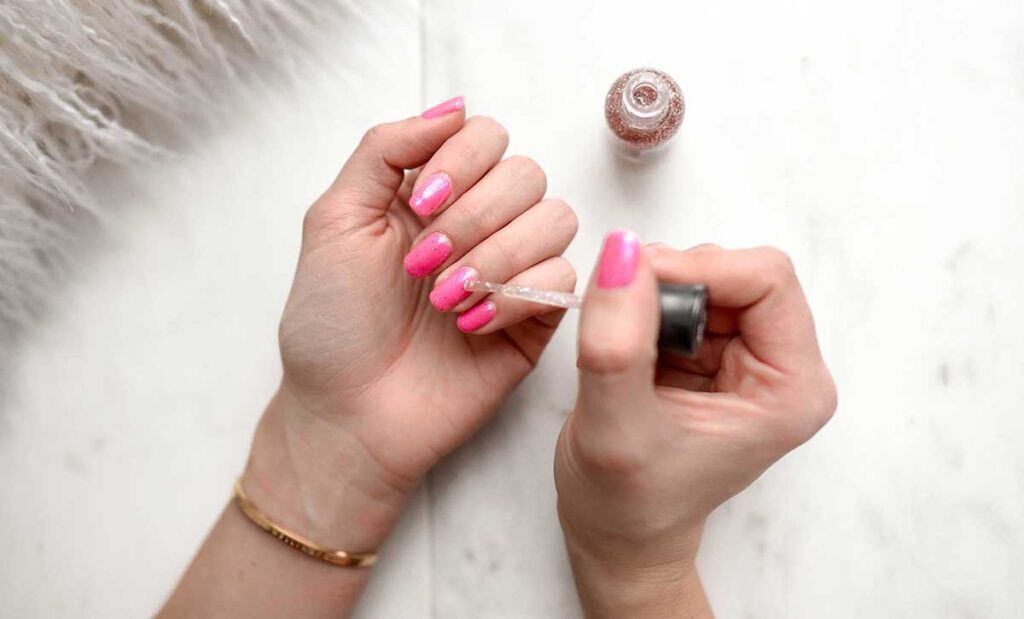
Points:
(379, 383)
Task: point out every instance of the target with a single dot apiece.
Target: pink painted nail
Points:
(427, 255)
(476, 316)
(445, 107)
(620, 257)
(431, 194)
(451, 290)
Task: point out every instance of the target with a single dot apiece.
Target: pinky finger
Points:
(496, 312)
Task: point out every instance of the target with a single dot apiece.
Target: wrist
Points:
(314, 477)
(640, 579)
(627, 589)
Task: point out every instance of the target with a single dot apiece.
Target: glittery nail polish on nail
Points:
(431, 194)
(620, 257)
(451, 291)
(476, 316)
(445, 107)
(427, 255)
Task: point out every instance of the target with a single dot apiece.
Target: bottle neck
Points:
(645, 100)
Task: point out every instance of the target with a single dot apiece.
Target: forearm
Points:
(241, 571)
(327, 495)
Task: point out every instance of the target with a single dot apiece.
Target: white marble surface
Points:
(879, 143)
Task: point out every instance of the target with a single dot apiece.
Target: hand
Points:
(654, 445)
(380, 379)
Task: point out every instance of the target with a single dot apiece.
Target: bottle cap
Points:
(684, 314)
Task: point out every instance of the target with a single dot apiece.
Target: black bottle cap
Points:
(684, 313)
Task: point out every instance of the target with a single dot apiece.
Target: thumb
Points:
(618, 334)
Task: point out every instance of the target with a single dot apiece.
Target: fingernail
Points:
(427, 255)
(620, 257)
(445, 107)
(451, 290)
(476, 316)
(431, 194)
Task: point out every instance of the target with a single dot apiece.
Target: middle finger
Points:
(508, 190)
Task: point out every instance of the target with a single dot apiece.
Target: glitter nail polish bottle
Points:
(644, 108)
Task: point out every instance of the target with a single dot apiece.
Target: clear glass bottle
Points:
(644, 108)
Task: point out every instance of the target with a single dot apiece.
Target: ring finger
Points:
(544, 231)
(508, 190)
(496, 312)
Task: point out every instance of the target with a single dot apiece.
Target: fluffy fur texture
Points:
(76, 81)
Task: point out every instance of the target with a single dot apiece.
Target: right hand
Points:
(654, 445)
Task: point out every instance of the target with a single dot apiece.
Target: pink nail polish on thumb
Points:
(620, 257)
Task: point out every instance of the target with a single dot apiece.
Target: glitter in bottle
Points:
(644, 108)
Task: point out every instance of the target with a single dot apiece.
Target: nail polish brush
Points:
(684, 309)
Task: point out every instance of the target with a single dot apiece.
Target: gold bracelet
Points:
(296, 541)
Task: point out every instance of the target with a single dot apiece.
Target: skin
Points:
(654, 445)
(378, 385)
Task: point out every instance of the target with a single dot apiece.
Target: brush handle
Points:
(554, 298)
(684, 309)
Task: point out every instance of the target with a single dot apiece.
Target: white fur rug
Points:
(78, 81)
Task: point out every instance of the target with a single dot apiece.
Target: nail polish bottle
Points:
(644, 108)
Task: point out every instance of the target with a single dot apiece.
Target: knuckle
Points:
(611, 459)
(566, 273)
(570, 279)
(489, 125)
(529, 171)
(660, 253)
(560, 273)
(564, 216)
(777, 264)
(828, 400)
(315, 220)
(821, 400)
(596, 452)
(309, 222)
(787, 432)
(522, 162)
(374, 135)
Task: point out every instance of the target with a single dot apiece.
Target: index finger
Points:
(376, 169)
(774, 319)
